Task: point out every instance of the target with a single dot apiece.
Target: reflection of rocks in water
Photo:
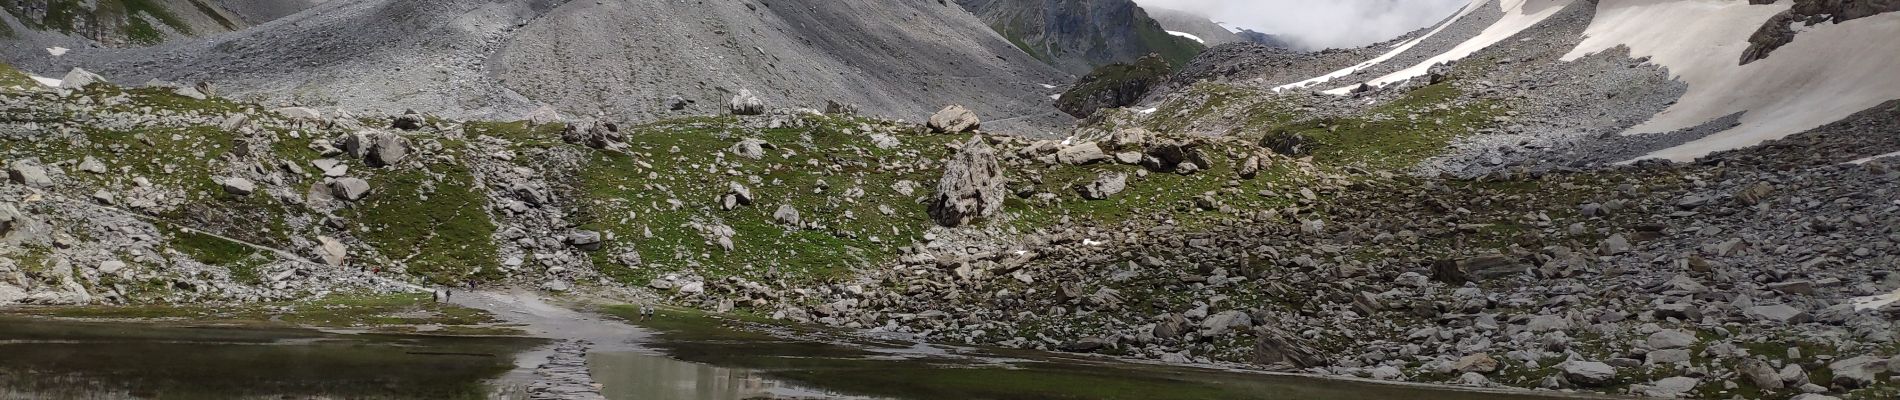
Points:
(640, 376)
(565, 375)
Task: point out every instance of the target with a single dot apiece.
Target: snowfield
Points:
(1518, 16)
(1829, 72)
(1396, 51)
(1188, 35)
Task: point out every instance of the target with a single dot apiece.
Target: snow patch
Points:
(1149, 110)
(1518, 16)
(1047, 86)
(1471, 7)
(1187, 35)
(1875, 302)
(1830, 72)
(1871, 159)
(45, 81)
(1057, 96)
(57, 51)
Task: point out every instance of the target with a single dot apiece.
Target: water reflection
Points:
(638, 376)
(77, 360)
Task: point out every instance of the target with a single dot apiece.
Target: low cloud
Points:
(1321, 24)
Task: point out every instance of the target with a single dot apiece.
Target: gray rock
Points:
(1615, 245)
(971, 187)
(299, 113)
(1104, 186)
(1081, 154)
(1587, 373)
(350, 189)
(385, 149)
(1171, 326)
(1761, 374)
(749, 148)
(1668, 387)
(239, 186)
(594, 134)
(786, 214)
(1671, 339)
(1857, 372)
(1778, 313)
(954, 119)
(92, 165)
(1221, 323)
(332, 252)
(1480, 363)
(585, 239)
(1666, 357)
(79, 78)
(745, 103)
(31, 175)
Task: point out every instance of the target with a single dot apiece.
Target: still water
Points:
(42, 359)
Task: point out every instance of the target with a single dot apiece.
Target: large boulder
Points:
(79, 78)
(376, 148)
(350, 189)
(594, 134)
(238, 186)
(745, 103)
(1588, 373)
(1081, 154)
(31, 175)
(1273, 346)
(971, 187)
(954, 119)
(1107, 185)
(332, 251)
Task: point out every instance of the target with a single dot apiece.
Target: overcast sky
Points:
(1318, 24)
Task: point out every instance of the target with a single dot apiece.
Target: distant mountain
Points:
(634, 60)
(1211, 33)
(1077, 36)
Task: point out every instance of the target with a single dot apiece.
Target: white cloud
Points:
(1319, 24)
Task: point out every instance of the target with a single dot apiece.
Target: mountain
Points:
(1209, 32)
(1199, 26)
(505, 59)
(1077, 36)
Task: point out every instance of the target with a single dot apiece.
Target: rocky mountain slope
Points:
(507, 59)
(1077, 36)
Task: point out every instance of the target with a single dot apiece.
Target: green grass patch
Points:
(10, 77)
(630, 195)
(432, 219)
(1397, 134)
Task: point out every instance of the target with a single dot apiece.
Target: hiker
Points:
(646, 311)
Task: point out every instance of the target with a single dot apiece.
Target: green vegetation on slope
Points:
(10, 77)
(1396, 134)
(831, 173)
(433, 219)
(105, 19)
(1114, 85)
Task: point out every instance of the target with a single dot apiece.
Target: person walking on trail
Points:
(646, 311)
